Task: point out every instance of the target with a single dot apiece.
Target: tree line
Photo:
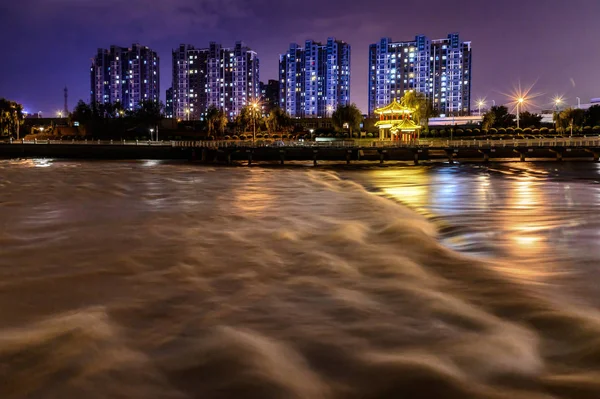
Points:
(11, 118)
(576, 119)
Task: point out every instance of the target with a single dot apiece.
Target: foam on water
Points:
(186, 282)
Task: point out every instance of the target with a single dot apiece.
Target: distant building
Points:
(227, 78)
(441, 69)
(125, 75)
(169, 104)
(269, 93)
(315, 79)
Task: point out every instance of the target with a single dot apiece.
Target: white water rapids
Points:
(157, 280)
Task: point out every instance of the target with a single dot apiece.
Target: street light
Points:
(187, 113)
(329, 110)
(520, 101)
(480, 104)
(578, 102)
(311, 133)
(151, 132)
(254, 109)
(59, 114)
(557, 102)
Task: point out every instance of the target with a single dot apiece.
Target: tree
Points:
(216, 120)
(423, 107)
(592, 116)
(249, 115)
(346, 117)
(528, 119)
(489, 118)
(501, 117)
(11, 117)
(279, 121)
(570, 118)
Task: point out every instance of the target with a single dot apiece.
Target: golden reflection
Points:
(254, 196)
(523, 224)
(408, 186)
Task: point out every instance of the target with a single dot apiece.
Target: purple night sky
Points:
(47, 44)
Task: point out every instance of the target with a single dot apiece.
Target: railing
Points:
(514, 143)
(438, 143)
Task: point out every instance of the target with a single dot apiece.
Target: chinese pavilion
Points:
(395, 122)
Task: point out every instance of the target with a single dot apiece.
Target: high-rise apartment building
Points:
(441, 69)
(169, 103)
(269, 93)
(315, 79)
(227, 78)
(125, 75)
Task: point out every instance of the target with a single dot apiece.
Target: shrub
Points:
(502, 130)
(476, 131)
(535, 131)
(518, 130)
(266, 136)
(235, 137)
(370, 135)
(469, 132)
(424, 134)
(587, 128)
(544, 130)
(345, 135)
(433, 132)
(493, 131)
(527, 130)
(355, 135)
(443, 133)
(596, 129)
(460, 132)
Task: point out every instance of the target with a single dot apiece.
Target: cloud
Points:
(147, 19)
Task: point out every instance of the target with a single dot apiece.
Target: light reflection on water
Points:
(514, 210)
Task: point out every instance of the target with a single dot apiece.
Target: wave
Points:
(293, 284)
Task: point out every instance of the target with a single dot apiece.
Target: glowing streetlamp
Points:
(329, 110)
(121, 112)
(520, 101)
(187, 113)
(557, 102)
(59, 114)
(480, 103)
(254, 106)
(311, 133)
(151, 133)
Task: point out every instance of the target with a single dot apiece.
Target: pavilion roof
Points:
(394, 108)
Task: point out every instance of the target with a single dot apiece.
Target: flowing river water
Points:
(167, 280)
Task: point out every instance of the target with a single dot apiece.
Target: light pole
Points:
(578, 102)
(494, 103)
(480, 104)
(557, 102)
(187, 114)
(520, 101)
(151, 132)
(254, 108)
(311, 133)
